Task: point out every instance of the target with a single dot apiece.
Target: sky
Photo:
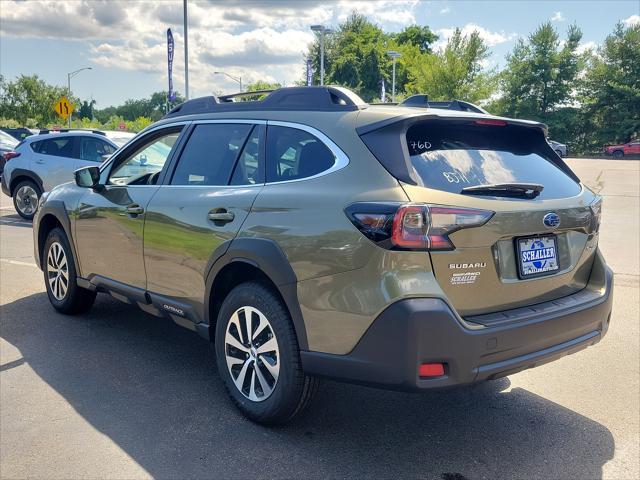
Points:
(124, 42)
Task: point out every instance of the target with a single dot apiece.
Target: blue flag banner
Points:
(309, 73)
(382, 92)
(171, 96)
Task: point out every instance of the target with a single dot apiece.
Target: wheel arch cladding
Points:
(52, 215)
(19, 175)
(254, 259)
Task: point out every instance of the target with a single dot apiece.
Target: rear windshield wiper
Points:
(519, 190)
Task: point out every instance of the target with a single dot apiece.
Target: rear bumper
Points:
(423, 330)
(4, 184)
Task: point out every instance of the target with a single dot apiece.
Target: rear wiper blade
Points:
(525, 190)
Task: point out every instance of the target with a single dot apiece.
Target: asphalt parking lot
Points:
(117, 393)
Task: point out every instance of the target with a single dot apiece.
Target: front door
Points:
(110, 221)
(201, 205)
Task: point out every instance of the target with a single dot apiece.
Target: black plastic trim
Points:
(21, 172)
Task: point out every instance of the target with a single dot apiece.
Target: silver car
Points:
(559, 148)
(49, 159)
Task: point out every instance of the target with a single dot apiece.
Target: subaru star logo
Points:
(551, 220)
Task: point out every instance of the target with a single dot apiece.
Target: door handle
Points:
(134, 209)
(221, 215)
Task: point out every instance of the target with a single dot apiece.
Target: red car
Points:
(619, 151)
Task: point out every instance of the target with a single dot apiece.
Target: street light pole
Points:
(323, 31)
(235, 79)
(394, 55)
(186, 52)
(69, 76)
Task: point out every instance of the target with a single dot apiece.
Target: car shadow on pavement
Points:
(152, 388)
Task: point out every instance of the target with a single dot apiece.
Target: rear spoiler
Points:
(387, 137)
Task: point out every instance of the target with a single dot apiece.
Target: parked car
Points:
(118, 136)
(312, 235)
(7, 144)
(559, 148)
(619, 151)
(17, 133)
(40, 162)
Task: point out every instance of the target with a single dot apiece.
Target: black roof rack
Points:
(422, 100)
(65, 130)
(323, 99)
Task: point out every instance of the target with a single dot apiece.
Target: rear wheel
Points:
(60, 276)
(25, 199)
(618, 154)
(258, 356)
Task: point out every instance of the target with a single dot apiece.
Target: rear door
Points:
(91, 151)
(201, 205)
(54, 160)
(533, 248)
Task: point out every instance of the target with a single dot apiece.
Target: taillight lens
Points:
(9, 155)
(414, 226)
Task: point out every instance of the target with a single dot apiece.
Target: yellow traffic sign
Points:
(63, 107)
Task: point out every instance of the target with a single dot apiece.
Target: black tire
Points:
(75, 299)
(293, 390)
(24, 204)
(618, 154)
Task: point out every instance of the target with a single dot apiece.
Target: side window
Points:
(210, 154)
(144, 164)
(249, 168)
(293, 154)
(93, 149)
(59, 147)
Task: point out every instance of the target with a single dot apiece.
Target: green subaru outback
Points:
(309, 234)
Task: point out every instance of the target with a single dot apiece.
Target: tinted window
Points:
(210, 154)
(451, 157)
(60, 147)
(248, 169)
(293, 154)
(145, 163)
(93, 149)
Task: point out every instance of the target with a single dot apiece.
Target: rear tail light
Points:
(495, 123)
(596, 213)
(9, 155)
(413, 226)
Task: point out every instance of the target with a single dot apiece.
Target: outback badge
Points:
(551, 220)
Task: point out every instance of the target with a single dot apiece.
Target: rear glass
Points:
(451, 157)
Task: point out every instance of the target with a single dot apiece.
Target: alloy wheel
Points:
(27, 200)
(57, 271)
(251, 352)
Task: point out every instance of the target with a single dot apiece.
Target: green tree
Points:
(419, 36)
(541, 73)
(454, 73)
(611, 90)
(30, 100)
(257, 86)
(86, 109)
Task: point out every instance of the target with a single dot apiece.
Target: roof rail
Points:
(422, 100)
(323, 99)
(66, 130)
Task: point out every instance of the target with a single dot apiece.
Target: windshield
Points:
(7, 142)
(451, 157)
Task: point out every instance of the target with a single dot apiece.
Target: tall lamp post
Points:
(394, 56)
(235, 79)
(322, 30)
(69, 76)
(186, 50)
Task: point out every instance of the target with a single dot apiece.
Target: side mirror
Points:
(88, 177)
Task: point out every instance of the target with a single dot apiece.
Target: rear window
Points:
(450, 157)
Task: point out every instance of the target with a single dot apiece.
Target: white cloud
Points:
(557, 17)
(491, 38)
(583, 47)
(445, 10)
(632, 20)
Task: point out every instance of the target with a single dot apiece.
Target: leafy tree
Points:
(257, 86)
(541, 73)
(611, 90)
(30, 100)
(454, 73)
(86, 109)
(419, 36)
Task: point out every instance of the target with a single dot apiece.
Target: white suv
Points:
(43, 161)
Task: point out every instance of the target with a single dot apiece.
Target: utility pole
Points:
(69, 76)
(322, 30)
(186, 52)
(394, 55)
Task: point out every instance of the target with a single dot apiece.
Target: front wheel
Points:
(258, 356)
(25, 199)
(618, 154)
(60, 276)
